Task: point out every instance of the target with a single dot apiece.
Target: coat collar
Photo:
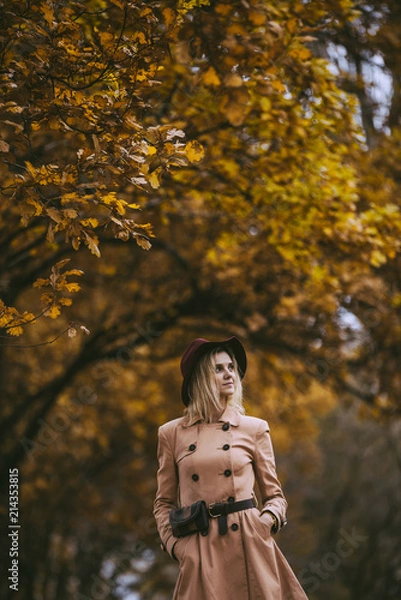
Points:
(230, 415)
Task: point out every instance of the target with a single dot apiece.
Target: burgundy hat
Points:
(198, 348)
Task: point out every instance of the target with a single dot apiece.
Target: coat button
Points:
(195, 477)
(230, 499)
(227, 472)
(234, 526)
(226, 447)
(192, 447)
(226, 427)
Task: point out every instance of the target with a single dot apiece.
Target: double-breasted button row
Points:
(226, 447)
(192, 447)
(227, 473)
(226, 426)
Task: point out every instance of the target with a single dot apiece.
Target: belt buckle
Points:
(212, 505)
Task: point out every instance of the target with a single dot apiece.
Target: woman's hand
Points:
(268, 518)
(178, 549)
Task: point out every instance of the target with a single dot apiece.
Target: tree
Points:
(364, 51)
(72, 138)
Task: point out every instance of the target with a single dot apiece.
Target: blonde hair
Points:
(203, 391)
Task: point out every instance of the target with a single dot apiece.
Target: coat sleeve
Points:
(273, 498)
(167, 489)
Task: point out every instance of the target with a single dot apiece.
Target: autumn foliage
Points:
(73, 135)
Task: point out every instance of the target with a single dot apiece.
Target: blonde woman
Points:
(205, 507)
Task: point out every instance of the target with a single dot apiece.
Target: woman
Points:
(214, 453)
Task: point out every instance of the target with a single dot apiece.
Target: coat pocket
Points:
(179, 548)
(267, 521)
(262, 527)
(182, 457)
(184, 453)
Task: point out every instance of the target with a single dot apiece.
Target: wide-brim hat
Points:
(201, 346)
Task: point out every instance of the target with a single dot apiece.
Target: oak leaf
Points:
(194, 151)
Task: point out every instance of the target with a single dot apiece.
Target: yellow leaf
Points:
(169, 16)
(28, 316)
(3, 321)
(169, 149)
(74, 272)
(236, 29)
(233, 80)
(300, 53)
(154, 178)
(38, 207)
(377, 258)
(291, 25)
(47, 299)
(229, 166)
(30, 168)
(53, 312)
(109, 198)
(256, 17)
(139, 36)
(15, 331)
(210, 77)
(70, 213)
(40, 282)
(91, 222)
(265, 104)
(13, 108)
(194, 151)
(120, 206)
(396, 300)
(47, 13)
(278, 85)
(106, 38)
(65, 301)
(223, 9)
(235, 113)
(71, 287)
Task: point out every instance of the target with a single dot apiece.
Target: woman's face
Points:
(224, 374)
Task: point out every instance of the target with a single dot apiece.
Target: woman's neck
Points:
(215, 416)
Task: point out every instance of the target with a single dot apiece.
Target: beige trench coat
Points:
(218, 462)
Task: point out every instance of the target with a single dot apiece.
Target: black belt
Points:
(220, 510)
